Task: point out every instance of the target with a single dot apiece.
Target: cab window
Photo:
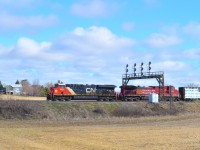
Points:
(62, 86)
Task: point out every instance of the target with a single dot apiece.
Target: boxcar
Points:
(189, 93)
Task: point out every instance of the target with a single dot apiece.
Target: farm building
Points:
(14, 89)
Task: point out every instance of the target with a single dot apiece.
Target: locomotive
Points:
(67, 92)
(132, 93)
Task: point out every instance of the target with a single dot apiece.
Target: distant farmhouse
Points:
(13, 89)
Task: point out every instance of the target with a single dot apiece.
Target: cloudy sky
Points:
(91, 41)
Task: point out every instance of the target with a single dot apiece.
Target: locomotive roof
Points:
(190, 87)
(106, 86)
(128, 86)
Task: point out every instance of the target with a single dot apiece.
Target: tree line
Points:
(34, 89)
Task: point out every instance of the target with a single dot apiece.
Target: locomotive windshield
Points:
(62, 86)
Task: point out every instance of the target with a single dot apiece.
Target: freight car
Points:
(132, 93)
(189, 93)
(67, 92)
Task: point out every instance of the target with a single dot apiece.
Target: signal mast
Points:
(159, 76)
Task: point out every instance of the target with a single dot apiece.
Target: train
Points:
(67, 92)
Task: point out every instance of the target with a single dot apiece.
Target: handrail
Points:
(145, 74)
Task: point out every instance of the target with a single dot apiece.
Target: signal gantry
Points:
(144, 75)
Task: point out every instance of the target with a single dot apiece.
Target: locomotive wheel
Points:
(98, 99)
(68, 98)
(48, 97)
(112, 99)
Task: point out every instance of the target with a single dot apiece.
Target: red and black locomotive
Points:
(132, 93)
(67, 92)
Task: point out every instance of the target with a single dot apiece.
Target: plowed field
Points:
(170, 133)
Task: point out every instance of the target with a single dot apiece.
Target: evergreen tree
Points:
(17, 82)
(1, 86)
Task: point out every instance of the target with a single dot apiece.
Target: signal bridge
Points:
(159, 76)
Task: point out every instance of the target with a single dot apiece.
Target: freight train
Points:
(67, 92)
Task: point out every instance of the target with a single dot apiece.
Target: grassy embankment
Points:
(47, 110)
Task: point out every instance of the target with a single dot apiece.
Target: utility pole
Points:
(170, 91)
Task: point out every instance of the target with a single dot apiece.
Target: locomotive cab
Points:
(59, 92)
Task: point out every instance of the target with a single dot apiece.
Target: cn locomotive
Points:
(67, 92)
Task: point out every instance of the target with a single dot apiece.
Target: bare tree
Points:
(37, 90)
(26, 88)
(49, 84)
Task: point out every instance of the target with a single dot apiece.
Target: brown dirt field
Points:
(168, 132)
(15, 97)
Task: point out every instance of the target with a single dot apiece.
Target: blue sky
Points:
(91, 41)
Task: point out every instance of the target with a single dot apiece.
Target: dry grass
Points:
(15, 97)
(169, 134)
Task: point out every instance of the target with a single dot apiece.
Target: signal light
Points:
(126, 69)
(149, 66)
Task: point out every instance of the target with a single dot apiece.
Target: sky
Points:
(91, 41)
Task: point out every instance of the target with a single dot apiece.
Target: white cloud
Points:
(90, 55)
(162, 40)
(3, 51)
(31, 50)
(193, 29)
(95, 40)
(87, 55)
(171, 66)
(8, 21)
(192, 54)
(92, 9)
(28, 47)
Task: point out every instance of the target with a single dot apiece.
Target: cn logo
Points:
(90, 90)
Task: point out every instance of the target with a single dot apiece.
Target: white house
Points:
(14, 89)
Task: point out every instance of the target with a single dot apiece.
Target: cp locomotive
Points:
(131, 93)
